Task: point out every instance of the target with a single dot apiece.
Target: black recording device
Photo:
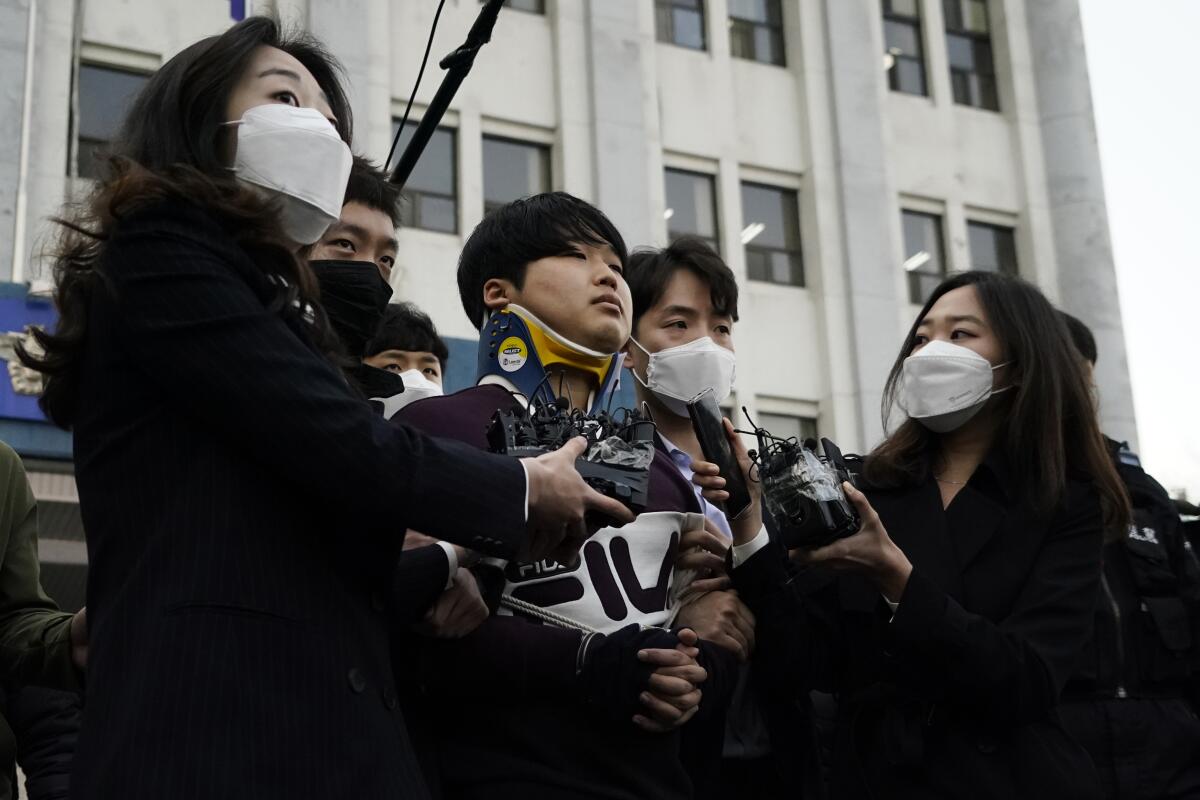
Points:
(619, 452)
(802, 490)
(709, 425)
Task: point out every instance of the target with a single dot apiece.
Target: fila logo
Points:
(518, 572)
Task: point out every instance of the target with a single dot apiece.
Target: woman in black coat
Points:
(947, 625)
(244, 508)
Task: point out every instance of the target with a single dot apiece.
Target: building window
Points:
(532, 6)
(905, 55)
(969, 48)
(772, 234)
(786, 426)
(993, 247)
(105, 95)
(924, 257)
(430, 198)
(691, 206)
(756, 31)
(680, 22)
(512, 170)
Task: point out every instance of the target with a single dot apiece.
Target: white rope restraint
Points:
(513, 604)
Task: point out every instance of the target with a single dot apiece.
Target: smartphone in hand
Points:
(708, 422)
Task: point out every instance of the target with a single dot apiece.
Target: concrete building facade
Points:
(820, 138)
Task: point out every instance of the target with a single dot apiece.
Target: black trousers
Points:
(1142, 748)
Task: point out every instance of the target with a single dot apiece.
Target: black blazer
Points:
(244, 512)
(953, 696)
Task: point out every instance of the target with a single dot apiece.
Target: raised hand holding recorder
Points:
(870, 551)
(715, 484)
(560, 502)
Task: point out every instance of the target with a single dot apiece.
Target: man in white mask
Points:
(684, 310)
(408, 344)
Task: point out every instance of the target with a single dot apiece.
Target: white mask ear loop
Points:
(222, 124)
(645, 383)
(998, 366)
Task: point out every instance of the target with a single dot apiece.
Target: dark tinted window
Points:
(772, 234)
(756, 31)
(105, 95)
(902, 44)
(532, 6)
(924, 259)
(786, 426)
(691, 206)
(430, 198)
(680, 22)
(993, 247)
(969, 48)
(513, 169)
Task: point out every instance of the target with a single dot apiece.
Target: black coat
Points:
(244, 511)
(45, 726)
(508, 716)
(1133, 700)
(953, 696)
(1147, 632)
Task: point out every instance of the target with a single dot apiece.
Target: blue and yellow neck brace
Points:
(518, 347)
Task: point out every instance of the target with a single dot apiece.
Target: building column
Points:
(358, 34)
(48, 184)
(14, 16)
(864, 213)
(624, 119)
(1087, 280)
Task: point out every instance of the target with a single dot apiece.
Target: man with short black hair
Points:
(353, 264)
(366, 228)
(408, 340)
(577, 687)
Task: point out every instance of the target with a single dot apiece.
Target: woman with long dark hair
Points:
(243, 508)
(948, 624)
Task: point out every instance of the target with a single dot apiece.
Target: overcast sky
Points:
(1143, 65)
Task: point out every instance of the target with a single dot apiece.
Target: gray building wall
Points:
(589, 80)
(13, 25)
(1087, 276)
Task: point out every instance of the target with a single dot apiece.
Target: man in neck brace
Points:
(588, 706)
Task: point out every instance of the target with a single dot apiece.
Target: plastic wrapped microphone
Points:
(802, 490)
(620, 445)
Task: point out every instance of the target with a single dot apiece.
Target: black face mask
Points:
(375, 382)
(355, 297)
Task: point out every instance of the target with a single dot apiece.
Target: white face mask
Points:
(296, 154)
(678, 374)
(416, 387)
(945, 384)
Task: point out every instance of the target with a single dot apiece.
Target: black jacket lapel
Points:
(914, 519)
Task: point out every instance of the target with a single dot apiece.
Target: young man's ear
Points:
(498, 293)
(627, 351)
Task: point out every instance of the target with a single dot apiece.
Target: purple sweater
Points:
(503, 704)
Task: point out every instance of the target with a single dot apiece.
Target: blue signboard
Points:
(22, 424)
(18, 310)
